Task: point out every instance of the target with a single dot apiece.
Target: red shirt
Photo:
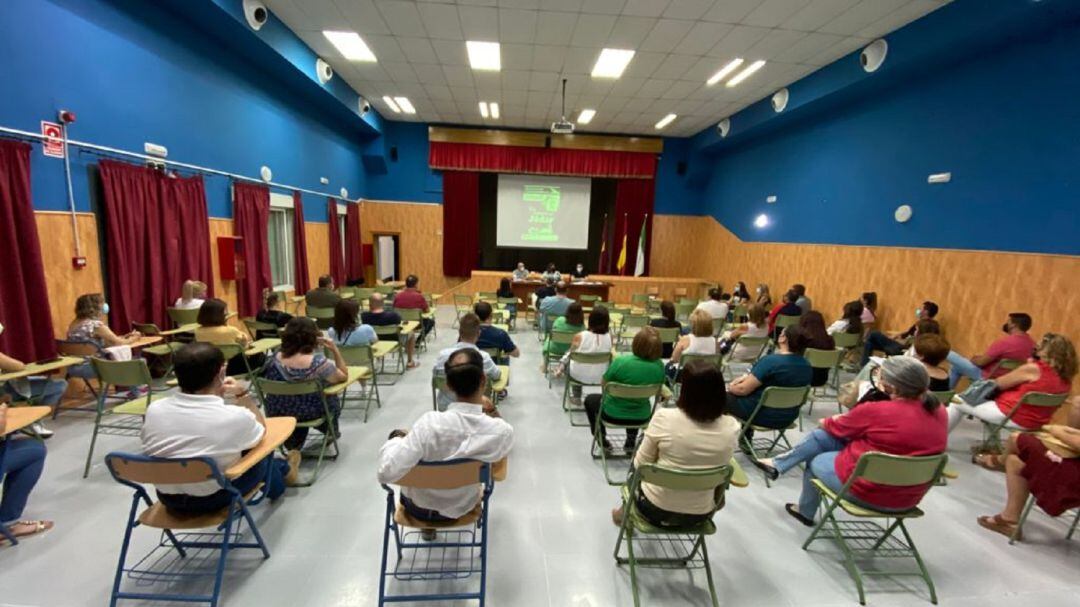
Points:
(1017, 347)
(1031, 416)
(410, 298)
(897, 427)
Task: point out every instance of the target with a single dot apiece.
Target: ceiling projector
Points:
(562, 127)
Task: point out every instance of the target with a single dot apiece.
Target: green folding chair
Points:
(640, 301)
(1018, 534)
(363, 296)
(992, 430)
(774, 397)
(847, 341)
(864, 538)
(668, 336)
(676, 547)
(390, 331)
(718, 325)
(230, 351)
(125, 418)
(749, 343)
(256, 328)
(495, 353)
(164, 350)
(417, 315)
(631, 324)
(438, 384)
(362, 356)
(683, 310)
(944, 397)
(182, 316)
(384, 289)
(1006, 364)
(463, 304)
(740, 312)
(824, 359)
(685, 359)
(581, 358)
(784, 321)
(564, 338)
(323, 317)
(549, 322)
(488, 296)
(585, 298)
(266, 388)
(617, 390)
(511, 301)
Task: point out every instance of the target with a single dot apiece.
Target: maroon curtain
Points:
(354, 253)
(633, 200)
(251, 212)
(24, 299)
(542, 161)
(302, 282)
(461, 222)
(337, 256)
(186, 227)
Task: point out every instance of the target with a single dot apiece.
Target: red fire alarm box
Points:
(231, 264)
(367, 254)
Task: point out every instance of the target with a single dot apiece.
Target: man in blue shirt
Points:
(556, 306)
(492, 336)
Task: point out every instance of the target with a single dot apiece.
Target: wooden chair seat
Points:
(406, 520)
(159, 517)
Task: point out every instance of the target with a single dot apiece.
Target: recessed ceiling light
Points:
(390, 104)
(666, 120)
(761, 221)
(724, 71)
(350, 45)
(494, 110)
(405, 104)
(586, 116)
(483, 109)
(611, 63)
(746, 73)
(483, 55)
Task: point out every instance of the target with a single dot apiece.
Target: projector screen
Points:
(540, 212)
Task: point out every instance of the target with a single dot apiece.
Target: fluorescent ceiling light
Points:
(494, 110)
(350, 45)
(611, 63)
(746, 73)
(666, 120)
(406, 105)
(761, 221)
(586, 116)
(483, 109)
(390, 104)
(724, 71)
(483, 55)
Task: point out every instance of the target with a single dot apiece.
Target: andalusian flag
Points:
(620, 265)
(639, 265)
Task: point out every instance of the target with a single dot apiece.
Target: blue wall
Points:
(132, 74)
(1005, 122)
(408, 178)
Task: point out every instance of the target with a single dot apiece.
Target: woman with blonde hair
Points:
(764, 299)
(192, 295)
(700, 340)
(756, 326)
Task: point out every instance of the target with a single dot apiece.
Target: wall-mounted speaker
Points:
(680, 167)
(323, 70)
(873, 55)
(393, 153)
(255, 13)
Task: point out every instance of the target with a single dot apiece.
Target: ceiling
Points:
(420, 47)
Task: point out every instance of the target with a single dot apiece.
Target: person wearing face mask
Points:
(91, 310)
(521, 272)
(764, 299)
(894, 344)
(910, 423)
(197, 422)
(579, 272)
(1016, 344)
(43, 390)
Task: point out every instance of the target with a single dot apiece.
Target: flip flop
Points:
(412, 365)
(999, 525)
(37, 528)
(990, 461)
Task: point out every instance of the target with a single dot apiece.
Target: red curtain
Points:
(337, 256)
(251, 212)
(354, 253)
(542, 161)
(186, 230)
(24, 300)
(634, 202)
(461, 222)
(302, 282)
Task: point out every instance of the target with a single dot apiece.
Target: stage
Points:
(620, 288)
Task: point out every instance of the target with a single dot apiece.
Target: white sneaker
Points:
(40, 429)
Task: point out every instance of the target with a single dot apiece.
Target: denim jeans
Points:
(877, 340)
(961, 367)
(24, 460)
(42, 389)
(818, 450)
(201, 504)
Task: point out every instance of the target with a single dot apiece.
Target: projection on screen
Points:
(538, 212)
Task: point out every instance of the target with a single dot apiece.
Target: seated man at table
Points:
(196, 422)
(469, 428)
(324, 296)
(468, 334)
(521, 272)
(378, 316)
(410, 298)
(492, 336)
(41, 389)
(555, 306)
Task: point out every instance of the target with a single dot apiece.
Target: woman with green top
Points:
(641, 367)
(572, 322)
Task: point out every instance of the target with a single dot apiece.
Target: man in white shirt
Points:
(470, 428)
(468, 334)
(715, 305)
(197, 423)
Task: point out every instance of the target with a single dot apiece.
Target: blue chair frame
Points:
(470, 543)
(236, 512)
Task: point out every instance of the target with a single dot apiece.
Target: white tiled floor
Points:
(551, 530)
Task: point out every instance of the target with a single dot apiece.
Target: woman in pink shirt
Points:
(910, 423)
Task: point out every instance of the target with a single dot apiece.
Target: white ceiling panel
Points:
(771, 13)
(675, 67)
(417, 50)
(440, 21)
(479, 22)
(702, 37)
(688, 9)
(401, 17)
(603, 7)
(517, 25)
(645, 8)
(666, 35)
(731, 11)
(555, 28)
(816, 14)
(629, 31)
(592, 31)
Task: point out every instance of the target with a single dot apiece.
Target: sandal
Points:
(990, 461)
(412, 365)
(999, 525)
(35, 528)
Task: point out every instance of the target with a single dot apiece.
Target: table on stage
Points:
(523, 289)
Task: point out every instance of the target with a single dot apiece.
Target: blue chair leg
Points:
(225, 541)
(254, 529)
(130, 525)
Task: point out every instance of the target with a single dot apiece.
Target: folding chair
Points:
(749, 343)
(617, 390)
(847, 342)
(462, 305)
(162, 350)
(231, 351)
(774, 397)
(544, 331)
(86, 350)
(504, 303)
(683, 310)
(183, 316)
(684, 359)
(430, 314)
(363, 296)
(460, 553)
(129, 414)
(495, 353)
(865, 538)
(684, 542)
(1018, 534)
(362, 356)
(1006, 364)
(255, 327)
(135, 471)
(639, 303)
(564, 338)
(438, 384)
(740, 312)
(581, 358)
(585, 298)
(992, 431)
(944, 397)
(381, 352)
(384, 289)
(784, 321)
(416, 315)
(668, 336)
(824, 359)
(266, 388)
(630, 325)
(323, 317)
(718, 325)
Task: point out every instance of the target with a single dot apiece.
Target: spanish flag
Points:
(620, 265)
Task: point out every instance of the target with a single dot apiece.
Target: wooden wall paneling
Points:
(420, 230)
(318, 250)
(64, 283)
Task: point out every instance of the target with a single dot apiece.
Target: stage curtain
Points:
(337, 255)
(185, 219)
(24, 300)
(461, 222)
(540, 161)
(354, 253)
(251, 219)
(301, 280)
(633, 207)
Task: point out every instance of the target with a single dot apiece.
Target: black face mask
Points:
(1035, 354)
(1005, 327)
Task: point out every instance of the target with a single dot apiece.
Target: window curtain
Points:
(461, 222)
(301, 280)
(185, 229)
(354, 253)
(540, 161)
(24, 300)
(251, 218)
(634, 202)
(337, 257)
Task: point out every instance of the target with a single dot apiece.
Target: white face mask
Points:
(1, 329)
(918, 313)
(758, 290)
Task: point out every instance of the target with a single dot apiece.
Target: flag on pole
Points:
(620, 265)
(639, 265)
(604, 261)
